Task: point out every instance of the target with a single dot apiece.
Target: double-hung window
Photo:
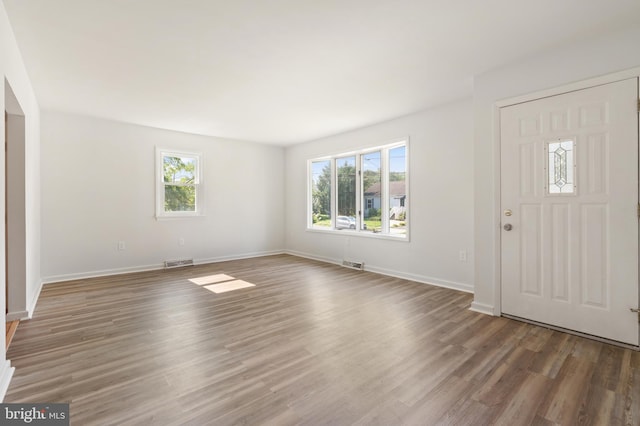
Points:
(365, 192)
(178, 184)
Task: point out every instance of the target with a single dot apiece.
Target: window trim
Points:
(384, 196)
(160, 184)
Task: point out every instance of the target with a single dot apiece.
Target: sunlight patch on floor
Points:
(211, 279)
(220, 283)
(228, 286)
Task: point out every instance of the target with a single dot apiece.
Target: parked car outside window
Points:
(345, 222)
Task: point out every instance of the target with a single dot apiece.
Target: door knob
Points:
(507, 227)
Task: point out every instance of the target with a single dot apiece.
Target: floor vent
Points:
(178, 263)
(353, 265)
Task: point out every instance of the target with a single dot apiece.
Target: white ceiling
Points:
(283, 71)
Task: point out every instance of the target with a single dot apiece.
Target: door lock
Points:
(508, 227)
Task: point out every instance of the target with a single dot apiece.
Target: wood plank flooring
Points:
(11, 328)
(312, 344)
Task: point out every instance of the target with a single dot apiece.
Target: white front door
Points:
(569, 198)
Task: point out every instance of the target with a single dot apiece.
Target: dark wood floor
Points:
(311, 343)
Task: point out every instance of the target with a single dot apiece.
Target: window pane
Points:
(346, 193)
(397, 191)
(369, 191)
(178, 186)
(560, 166)
(179, 198)
(179, 169)
(321, 193)
(372, 194)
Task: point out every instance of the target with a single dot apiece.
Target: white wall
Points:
(441, 199)
(13, 71)
(580, 61)
(16, 217)
(98, 188)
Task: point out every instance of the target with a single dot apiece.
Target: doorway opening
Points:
(14, 198)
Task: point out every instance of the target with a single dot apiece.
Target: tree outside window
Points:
(363, 192)
(179, 184)
(347, 186)
(321, 193)
(179, 181)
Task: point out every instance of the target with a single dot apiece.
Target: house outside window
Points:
(397, 189)
(363, 192)
(369, 203)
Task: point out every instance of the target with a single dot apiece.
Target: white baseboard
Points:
(100, 273)
(6, 373)
(119, 271)
(28, 313)
(314, 257)
(467, 288)
(18, 315)
(34, 301)
(482, 308)
(237, 257)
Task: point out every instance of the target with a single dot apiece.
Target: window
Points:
(397, 190)
(321, 193)
(363, 192)
(560, 167)
(346, 186)
(371, 166)
(179, 181)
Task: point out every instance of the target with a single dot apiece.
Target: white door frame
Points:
(497, 143)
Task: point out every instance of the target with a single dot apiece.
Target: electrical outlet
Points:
(463, 255)
(121, 245)
(181, 241)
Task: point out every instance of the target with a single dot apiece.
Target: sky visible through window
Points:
(397, 159)
(179, 169)
(372, 201)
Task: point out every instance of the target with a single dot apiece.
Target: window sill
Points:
(179, 216)
(352, 233)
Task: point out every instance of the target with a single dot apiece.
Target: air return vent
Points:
(178, 263)
(353, 265)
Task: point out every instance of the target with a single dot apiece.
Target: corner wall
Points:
(98, 188)
(440, 199)
(12, 68)
(583, 60)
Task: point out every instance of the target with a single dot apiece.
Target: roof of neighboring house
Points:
(396, 188)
